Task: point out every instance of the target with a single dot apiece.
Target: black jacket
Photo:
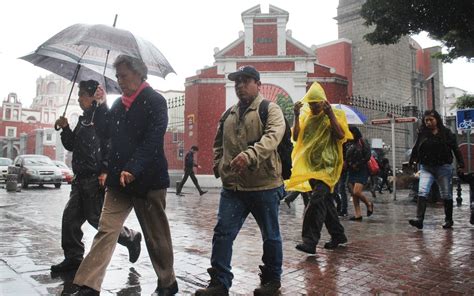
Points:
(137, 140)
(357, 155)
(449, 146)
(189, 161)
(87, 142)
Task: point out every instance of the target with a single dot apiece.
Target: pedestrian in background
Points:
(137, 178)
(357, 155)
(89, 148)
(247, 161)
(341, 187)
(319, 132)
(189, 165)
(433, 151)
(385, 172)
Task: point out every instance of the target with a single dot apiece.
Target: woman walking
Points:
(357, 155)
(433, 151)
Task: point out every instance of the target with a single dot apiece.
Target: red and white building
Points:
(287, 67)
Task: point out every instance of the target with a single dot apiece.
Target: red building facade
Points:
(287, 69)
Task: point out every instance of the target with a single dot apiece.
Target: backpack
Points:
(358, 153)
(285, 147)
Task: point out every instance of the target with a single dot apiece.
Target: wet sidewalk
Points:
(384, 254)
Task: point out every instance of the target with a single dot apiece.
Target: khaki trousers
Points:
(154, 223)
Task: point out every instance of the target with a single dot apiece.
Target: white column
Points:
(281, 33)
(248, 25)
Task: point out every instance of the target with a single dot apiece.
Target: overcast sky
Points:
(186, 32)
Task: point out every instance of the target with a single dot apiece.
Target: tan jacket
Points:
(246, 136)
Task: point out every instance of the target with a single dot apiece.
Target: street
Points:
(384, 254)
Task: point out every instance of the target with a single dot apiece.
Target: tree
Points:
(464, 102)
(450, 22)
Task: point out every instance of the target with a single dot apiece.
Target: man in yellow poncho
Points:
(319, 132)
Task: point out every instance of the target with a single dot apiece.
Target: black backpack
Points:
(284, 148)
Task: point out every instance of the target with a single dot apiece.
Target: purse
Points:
(373, 166)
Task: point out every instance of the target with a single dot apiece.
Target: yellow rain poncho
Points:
(317, 154)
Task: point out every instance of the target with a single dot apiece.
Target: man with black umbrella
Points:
(87, 195)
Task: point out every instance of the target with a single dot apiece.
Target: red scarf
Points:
(128, 101)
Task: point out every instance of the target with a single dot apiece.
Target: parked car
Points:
(65, 170)
(36, 169)
(4, 163)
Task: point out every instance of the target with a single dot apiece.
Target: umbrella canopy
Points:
(94, 44)
(353, 115)
(66, 67)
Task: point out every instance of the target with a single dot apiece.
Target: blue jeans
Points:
(234, 207)
(340, 189)
(442, 174)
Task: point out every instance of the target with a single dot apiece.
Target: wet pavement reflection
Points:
(384, 254)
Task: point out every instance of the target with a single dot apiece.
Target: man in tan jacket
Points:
(246, 159)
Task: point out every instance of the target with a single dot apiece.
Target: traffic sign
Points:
(380, 121)
(397, 120)
(464, 119)
(405, 119)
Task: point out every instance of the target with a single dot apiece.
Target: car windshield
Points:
(60, 164)
(5, 161)
(39, 161)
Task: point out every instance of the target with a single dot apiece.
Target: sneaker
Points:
(86, 291)
(203, 192)
(334, 243)
(135, 248)
(269, 288)
(215, 287)
(66, 265)
(307, 248)
(169, 291)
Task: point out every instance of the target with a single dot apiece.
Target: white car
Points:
(4, 163)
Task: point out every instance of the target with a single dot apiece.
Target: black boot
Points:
(215, 287)
(420, 213)
(268, 286)
(448, 213)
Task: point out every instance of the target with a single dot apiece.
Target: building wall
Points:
(338, 55)
(379, 71)
(205, 103)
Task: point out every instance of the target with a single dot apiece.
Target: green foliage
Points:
(451, 22)
(465, 102)
(286, 106)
